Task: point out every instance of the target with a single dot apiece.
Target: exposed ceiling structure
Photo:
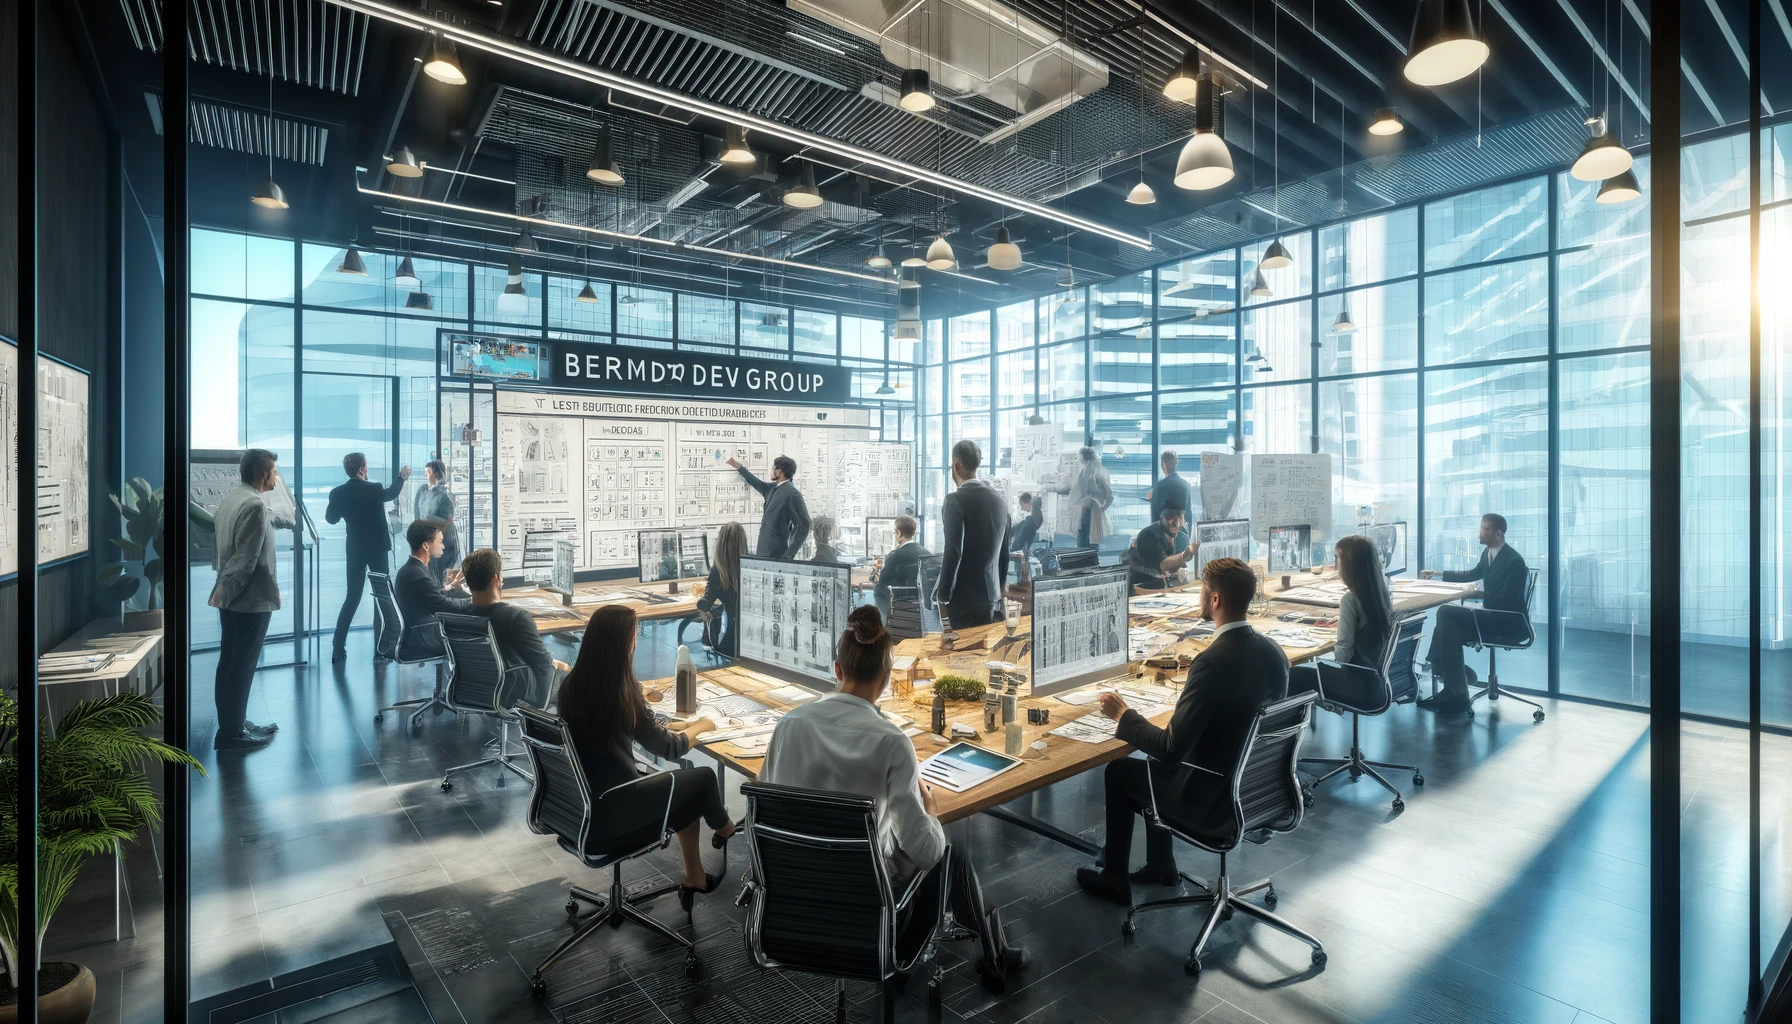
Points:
(1052, 108)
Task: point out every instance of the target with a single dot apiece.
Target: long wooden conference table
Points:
(651, 601)
(1062, 757)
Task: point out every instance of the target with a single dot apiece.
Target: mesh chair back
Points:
(1266, 792)
(560, 803)
(476, 667)
(824, 902)
(1524, 632)
(1402, 654)
(388, 623)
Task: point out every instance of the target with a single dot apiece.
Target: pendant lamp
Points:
(1067, 278)
(734, 146)
(940, 255)
(514, 301)
(403, 164)
(406, 278)
(1141, 194)
(1602, 157)
(1004, 254)
(1260, 284)
(352, 263)
(604, 169)
(269, 195)
(1343, 324)
(419, 300)
(804, 196)
(1445, 44)
(885, 388)
(443, 64)
(880, 261)
(917, 91)
(1621, 188)
(1205, 162)
(1180, 86)
(1276, 256)
(1387, 122)
(587, 294)
(914, 259)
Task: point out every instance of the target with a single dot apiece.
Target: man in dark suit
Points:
(420, 598)
(902, 566)
(974, 563)
(518, 639)
(1170, 491)
(360, 505)
(1240, 671)
(1503, 577)
(784, 526)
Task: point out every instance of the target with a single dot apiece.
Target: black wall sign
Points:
(650, 371)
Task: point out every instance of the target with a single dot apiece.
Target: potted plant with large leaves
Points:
(140, 512)
(93, 792)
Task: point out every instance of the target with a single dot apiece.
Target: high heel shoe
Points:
(710, 881)
(720, 842)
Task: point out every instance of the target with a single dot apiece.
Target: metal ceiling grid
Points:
(313, 43)
(143, 19)
(248, 131)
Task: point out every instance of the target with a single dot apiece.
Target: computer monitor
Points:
(1390, 543)
(1290, 549)
(1222, 538)
(1079, 629)
(880, 536)
(791, 616)
(670, 555)
(1074, 559)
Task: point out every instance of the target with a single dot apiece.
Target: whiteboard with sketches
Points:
(871, 479)
(1291, 490)
(596, 470)
(63, 519)
(1222, 478)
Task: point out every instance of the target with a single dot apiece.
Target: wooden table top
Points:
(563, 619)
(1062, 757)
(131, 649)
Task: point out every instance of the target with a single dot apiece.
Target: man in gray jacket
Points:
(246, 595)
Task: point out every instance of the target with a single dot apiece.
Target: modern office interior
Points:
(1288, 284)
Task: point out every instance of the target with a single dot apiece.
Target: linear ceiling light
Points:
(597, 76)
(619, 235)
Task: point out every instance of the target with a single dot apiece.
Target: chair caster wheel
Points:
(1309, 798)
(1417, 779)
(1270, 899)
(1537, 715)
(572, 908)
(446, 785)
(1226, 914)
(501, 781)
(1319, 958)
(692, 969)
(1192, 967)
(1127, 927)
(538, 987)
(1399, 805)
(377, 719)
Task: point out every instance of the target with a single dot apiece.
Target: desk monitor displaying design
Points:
(1222, 538)
(880, 536)
(791, 616)
(1390, 544)
(1079, 629)
(668, 555)
(1290, 549)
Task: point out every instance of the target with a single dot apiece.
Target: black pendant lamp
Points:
(917, 91)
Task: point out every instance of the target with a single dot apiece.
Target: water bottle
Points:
(685, 685)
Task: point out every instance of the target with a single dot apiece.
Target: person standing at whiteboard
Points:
(784, 526)
(436, 505)
(974, 564)
(1091, 492)
(359, 504)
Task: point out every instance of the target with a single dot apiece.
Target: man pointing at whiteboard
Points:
(784, 526)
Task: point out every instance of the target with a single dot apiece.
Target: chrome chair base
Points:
(1222, 900)
(1492, 692)
(421, 705)
(505, 757)
(612, 910)
(1358, 765)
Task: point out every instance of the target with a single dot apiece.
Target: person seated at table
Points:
(1026, 532)
(902, 566)
(1154, 554)
(518, 639)
(1503, 577)
(606, 715)
(1240, 671)
(842, 743)
(421, 596)
(721, 593)
(822, 529)
(1365, 624)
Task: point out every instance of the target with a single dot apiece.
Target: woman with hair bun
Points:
(842, 743)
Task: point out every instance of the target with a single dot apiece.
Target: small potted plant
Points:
(141, 514)
(92, 793)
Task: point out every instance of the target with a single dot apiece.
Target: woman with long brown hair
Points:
(721, 593)
(606, 714)
(1365, 618)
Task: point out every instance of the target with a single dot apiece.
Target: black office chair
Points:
(1363, 690)
(479, 683)
(1519, 623)
(821, 900)
(560, 806)
(389, 634)
(1266, 798)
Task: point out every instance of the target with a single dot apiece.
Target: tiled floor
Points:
(1512, 888)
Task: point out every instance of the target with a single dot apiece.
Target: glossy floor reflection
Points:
(1513, 887)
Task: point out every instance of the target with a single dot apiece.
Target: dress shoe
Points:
(1013, 960)
(1149, 875)
(1115, 888)
(260, 730)
(243, 741)
(338, 657)
(1445, 704)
